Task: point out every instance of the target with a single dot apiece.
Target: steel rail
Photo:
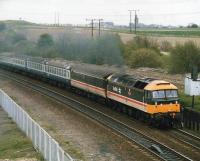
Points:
(189, 134)
(187, 138)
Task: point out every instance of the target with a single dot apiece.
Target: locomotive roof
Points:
(141, 83)
(126, 77)
(130, 80)
(160, 85)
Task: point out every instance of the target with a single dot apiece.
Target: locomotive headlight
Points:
(176, 102)
(156, 104)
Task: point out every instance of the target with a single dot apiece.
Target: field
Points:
(178, 32)
(173, 35)
(33, 33)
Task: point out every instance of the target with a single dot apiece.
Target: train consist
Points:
(154, 101)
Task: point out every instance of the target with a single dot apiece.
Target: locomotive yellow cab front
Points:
(162, 100)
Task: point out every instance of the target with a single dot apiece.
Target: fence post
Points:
(50, 159)
(40, 140)
(57, 152)
(45, 147)
(63, 155)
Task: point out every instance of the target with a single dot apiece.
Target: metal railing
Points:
(191, 119)
(41, 140)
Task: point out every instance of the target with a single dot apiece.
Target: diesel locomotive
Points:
(152, 100)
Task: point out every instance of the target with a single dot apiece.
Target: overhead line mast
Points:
(136, 20)
(99, 20)
(92, 25)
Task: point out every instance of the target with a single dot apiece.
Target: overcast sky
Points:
(165, 12)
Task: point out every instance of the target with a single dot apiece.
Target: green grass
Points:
(73, 151)
(186, 101)
(178, 32)
(13, 143)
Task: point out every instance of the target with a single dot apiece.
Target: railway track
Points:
(187, 138)
(153, 146)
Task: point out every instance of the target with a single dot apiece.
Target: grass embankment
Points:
(16, 24)
(13, 143)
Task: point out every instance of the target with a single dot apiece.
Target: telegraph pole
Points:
(130, 11)
(136, 19)
(99, 20)
(55, 19)
(58, 19)
(92, 25)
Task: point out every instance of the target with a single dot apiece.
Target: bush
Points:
(138, 43)
(193, 25)
(144, 42)
(5, 47)
(99, 50)
(18, 37)
(46, 47)
(144, 58)
(142, 52)
(45, 40)
(49, 53)
(25, 47)
(184, 57)
(11, 37)
(108, 50)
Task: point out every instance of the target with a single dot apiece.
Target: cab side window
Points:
(148, 96)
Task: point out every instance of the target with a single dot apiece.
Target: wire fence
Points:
(41, 140)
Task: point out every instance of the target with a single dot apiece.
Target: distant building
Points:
(108, 24)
